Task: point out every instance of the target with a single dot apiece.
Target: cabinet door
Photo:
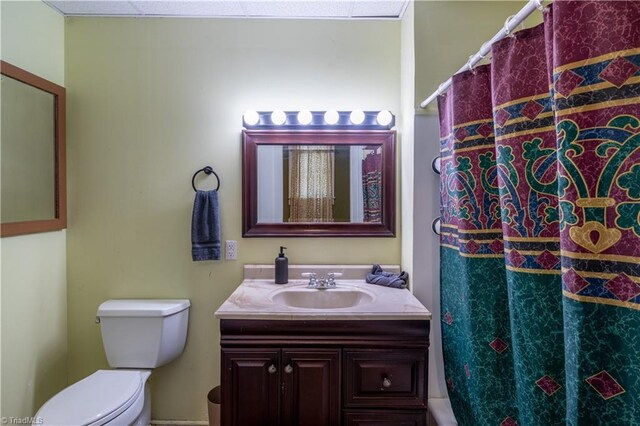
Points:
(311, 379)
(250, 387)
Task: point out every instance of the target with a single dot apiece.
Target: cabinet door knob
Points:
(386, 383)
(288, 369)
(272, 369)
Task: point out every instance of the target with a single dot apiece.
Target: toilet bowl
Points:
(137, 335)
(107, 397)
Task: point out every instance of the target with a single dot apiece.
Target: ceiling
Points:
(315, 9)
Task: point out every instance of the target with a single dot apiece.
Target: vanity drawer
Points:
(384, 418)
(385, 378)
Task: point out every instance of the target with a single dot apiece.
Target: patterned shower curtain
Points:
(540, 241)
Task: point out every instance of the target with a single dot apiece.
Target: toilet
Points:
(138, 335)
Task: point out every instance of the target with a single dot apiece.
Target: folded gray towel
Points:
(387, 279)
(205, 227)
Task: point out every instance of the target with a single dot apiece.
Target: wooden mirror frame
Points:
(59, 95)
(254, 138)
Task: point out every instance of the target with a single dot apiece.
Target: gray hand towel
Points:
(387, 279)
(205, 227)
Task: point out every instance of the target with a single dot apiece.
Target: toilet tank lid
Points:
(142, 307)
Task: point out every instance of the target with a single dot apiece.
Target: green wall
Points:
(152, 100)
(34, 285)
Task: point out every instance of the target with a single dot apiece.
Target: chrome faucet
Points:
(323, 283)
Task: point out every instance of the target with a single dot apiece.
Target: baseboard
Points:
(156, 422)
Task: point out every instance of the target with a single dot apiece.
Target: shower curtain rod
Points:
(511, 23)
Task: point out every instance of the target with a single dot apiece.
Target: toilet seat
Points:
(96, 399)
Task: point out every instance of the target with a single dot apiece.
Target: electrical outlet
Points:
(231, 250)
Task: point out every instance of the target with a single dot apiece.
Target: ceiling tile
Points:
(189, 8)
(298, 8)
(94, 7)
(381, 8)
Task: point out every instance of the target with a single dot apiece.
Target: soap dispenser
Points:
(282, 267)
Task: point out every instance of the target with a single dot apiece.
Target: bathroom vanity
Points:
(298, 356)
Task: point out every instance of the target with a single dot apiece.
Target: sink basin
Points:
(322, 299)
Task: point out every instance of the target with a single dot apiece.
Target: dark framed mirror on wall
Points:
(329, 183)
(33, 180)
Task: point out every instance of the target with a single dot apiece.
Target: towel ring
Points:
(207, 170)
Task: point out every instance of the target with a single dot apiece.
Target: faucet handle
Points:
(313, 282)
(331, 278)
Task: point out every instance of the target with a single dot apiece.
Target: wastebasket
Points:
(213, 402)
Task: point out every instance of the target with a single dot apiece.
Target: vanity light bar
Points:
(319, 120)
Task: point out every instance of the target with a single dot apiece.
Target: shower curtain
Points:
(540, 211)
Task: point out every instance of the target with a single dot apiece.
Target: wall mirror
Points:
(319, 183)
(33, 169)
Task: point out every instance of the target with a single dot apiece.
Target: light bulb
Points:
(278, 117)
(304, 117)
(384, 118)
(331, 117)
(251, 117)
(357, 117)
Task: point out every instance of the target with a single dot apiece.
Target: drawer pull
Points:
(386, 383)
(272, 369)
(288, 369)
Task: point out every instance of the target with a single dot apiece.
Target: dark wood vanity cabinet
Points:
(324, 372)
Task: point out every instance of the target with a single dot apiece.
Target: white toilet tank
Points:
(143, 333)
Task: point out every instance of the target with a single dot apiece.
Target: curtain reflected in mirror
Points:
(319, 183)
(311, 183)
(372, 187)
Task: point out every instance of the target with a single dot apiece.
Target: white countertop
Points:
(253, 298)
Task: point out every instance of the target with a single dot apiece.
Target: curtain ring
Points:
(539, 5)
(506, 26)
(472, 68)
(440, 89)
